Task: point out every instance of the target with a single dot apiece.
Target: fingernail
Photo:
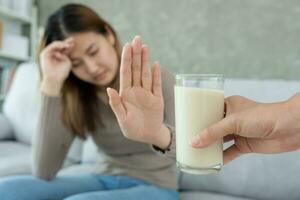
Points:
(196, 141)
(126, 45)
(137, 39)
(107, 89)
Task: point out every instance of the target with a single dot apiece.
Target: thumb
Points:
(215, 132)
(116, 104)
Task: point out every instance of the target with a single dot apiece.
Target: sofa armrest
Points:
(6, 130)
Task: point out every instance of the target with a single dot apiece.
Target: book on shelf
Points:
(20, 7)
(15, 45)
(6, 78)
(13, 42)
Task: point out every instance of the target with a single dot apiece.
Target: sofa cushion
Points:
(254, 176)
(15, 158)
(22, 104)
(208, 196)
(6, 131)
(90, 152)
(75, 151)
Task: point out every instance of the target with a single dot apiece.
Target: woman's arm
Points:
(139, 105)
(52, 140)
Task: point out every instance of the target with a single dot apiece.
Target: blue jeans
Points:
(82, 187)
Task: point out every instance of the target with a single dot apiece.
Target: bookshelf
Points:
(26, 26)
(7, 13)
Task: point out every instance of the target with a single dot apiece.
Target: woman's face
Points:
(94, 58)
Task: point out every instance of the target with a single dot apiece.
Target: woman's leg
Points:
(145, 192)
(31, 188)
(130, 189)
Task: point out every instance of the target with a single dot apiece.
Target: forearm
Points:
(51, 142)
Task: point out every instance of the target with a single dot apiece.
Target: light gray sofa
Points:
(253, 176)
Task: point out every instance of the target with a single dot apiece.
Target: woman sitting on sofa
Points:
(79, 61)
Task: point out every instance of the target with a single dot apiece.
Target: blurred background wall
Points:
(240, 38)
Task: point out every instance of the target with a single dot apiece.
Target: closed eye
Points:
(76, 64)
(93, 53)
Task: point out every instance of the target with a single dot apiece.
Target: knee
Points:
(76, 197)
(88, 196)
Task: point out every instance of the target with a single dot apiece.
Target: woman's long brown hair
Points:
(79, 103)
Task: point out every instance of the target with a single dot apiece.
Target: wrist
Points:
(163, 139)
(51, 88)
(292, 106)
(294, 102)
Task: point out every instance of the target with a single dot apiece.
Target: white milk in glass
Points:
(196, 108)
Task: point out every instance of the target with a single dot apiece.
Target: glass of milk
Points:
(199, 102)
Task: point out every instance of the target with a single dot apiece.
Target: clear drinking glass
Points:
(199, 102)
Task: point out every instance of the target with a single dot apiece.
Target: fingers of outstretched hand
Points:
(125, 69)
(135, 69)
(156, 79)
(137, 60)
(116, 104)
(146, 72)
